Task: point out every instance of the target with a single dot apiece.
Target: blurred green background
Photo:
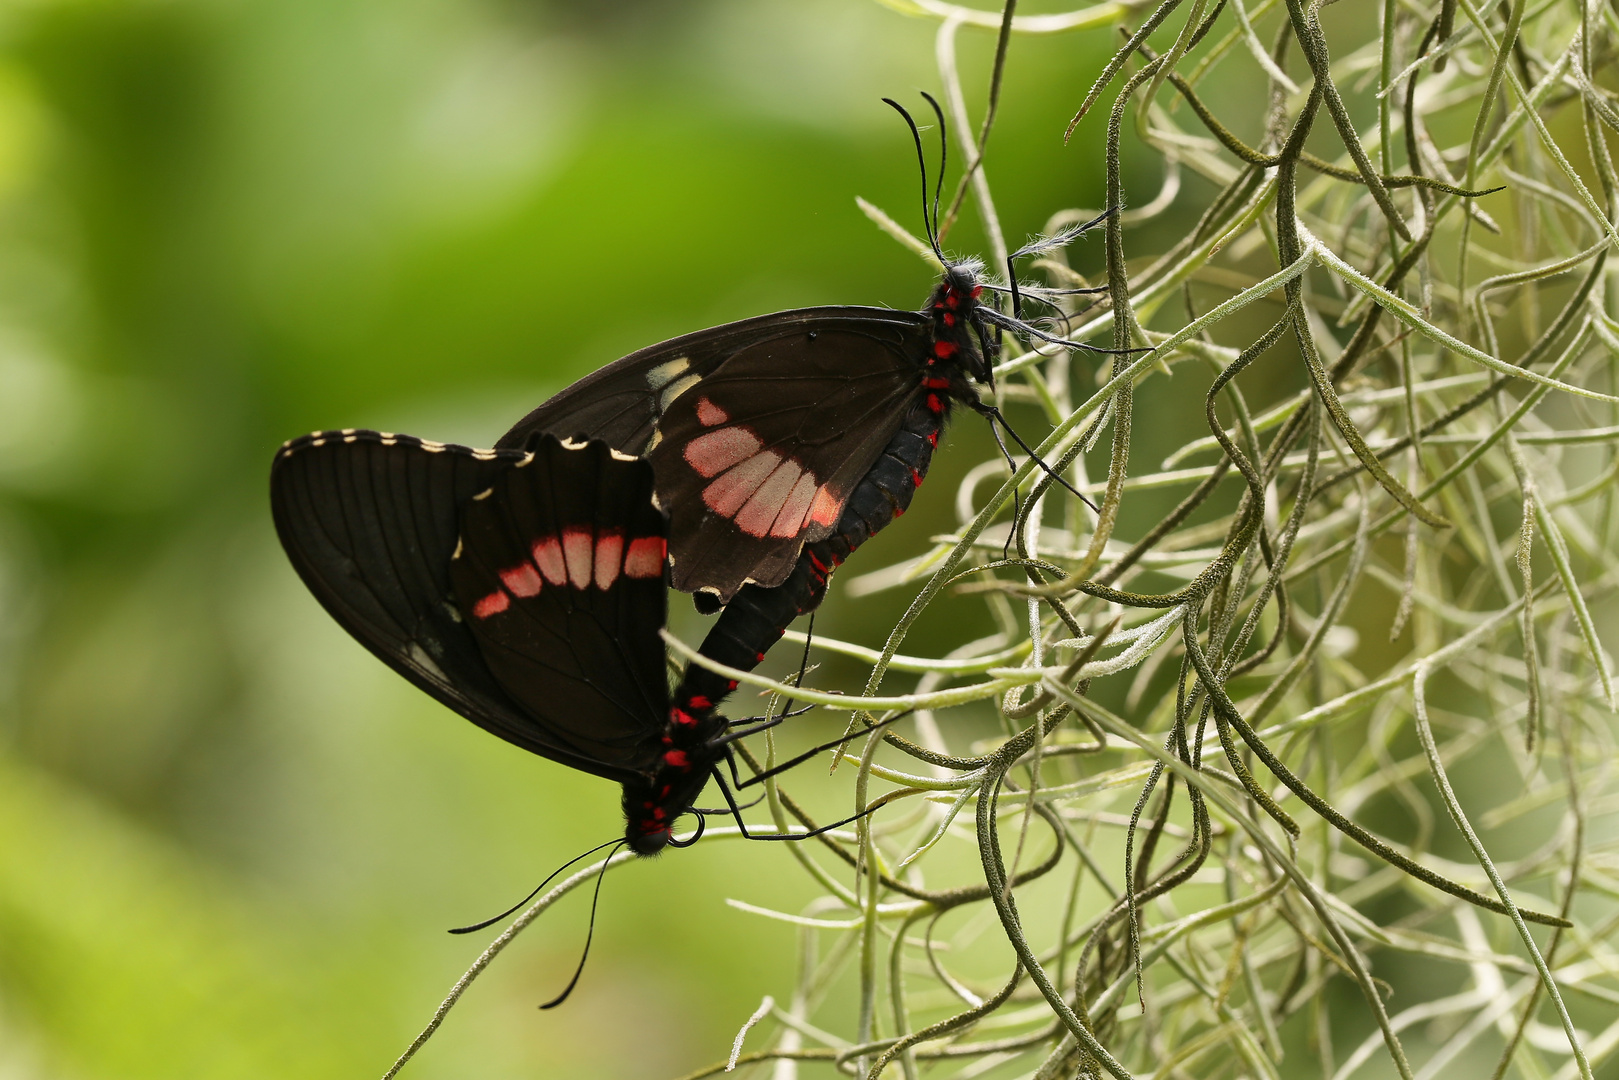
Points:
(230, 840)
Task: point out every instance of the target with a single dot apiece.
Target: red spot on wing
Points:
(826, 507)
(793, 511)
(645, 557)
(577, 552)
(710, 414)
(717, 451)
(760, 512)
(726, 495)
(523, 580)
(548, 557)
(609, 557)
(493, 604)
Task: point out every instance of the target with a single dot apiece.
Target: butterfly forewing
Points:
(371, 523)
(560, 578)
(759, 457)
(822, 389)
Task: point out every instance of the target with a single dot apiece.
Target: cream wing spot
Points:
(659, 377)
(673, 391)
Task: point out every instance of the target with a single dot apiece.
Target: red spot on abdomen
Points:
(677, 758)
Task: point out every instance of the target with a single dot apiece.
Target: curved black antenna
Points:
(591, 933)
(492, 921)
(922, 163)
(944, 159)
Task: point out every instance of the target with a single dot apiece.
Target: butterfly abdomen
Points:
(685, 756)
(756, 618)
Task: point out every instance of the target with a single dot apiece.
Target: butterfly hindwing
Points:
(371, 523)
(560, 577)
(823, 389)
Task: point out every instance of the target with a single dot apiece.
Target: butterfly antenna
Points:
(922, 163)
(944, 159)
(492, 921)
(589, 934)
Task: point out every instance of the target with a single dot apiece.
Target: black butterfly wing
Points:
(824, 388)
(760, 457)
(560, 576)
(371, 522)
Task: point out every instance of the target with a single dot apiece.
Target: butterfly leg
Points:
(806, 755)
(736, 813)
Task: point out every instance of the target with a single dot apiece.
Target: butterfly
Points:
(759, 431)
(525, 590)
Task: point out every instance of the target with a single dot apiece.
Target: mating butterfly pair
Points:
(524, 586)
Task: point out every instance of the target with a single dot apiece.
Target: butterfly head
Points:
(962, 350)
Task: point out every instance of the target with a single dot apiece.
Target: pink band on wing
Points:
(522, 580)
(493, 604)
(578, 552)
(717, 451)
(645, 557)
(756, 517)
(548, 557)
(726, 495)
(710, 414)
(609, 557)
(791, 519)
(826, 507)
